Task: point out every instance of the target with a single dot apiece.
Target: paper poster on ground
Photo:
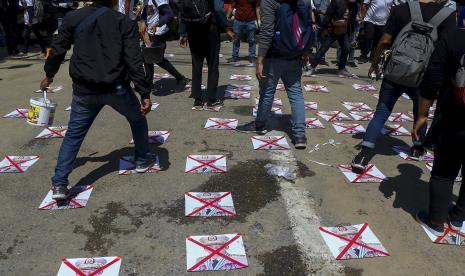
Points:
(313, 123)
(270, 143)
(370, 175)
(364, 87)
(206, 164)
(156, 137)
(78, 197)
(17, 113)
(98, 266)
(450, 236)
(17, 164)
(343, 128)
(356, 106)
(330, 116)
(221, 124)
(127, 166)
(209, 204)
(52, 132)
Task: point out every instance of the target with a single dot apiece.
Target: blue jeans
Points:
(290, 71)
(319, 39)
(352, 41)
(388, 96)
(343, 41)
(244, 28)
(83, 112)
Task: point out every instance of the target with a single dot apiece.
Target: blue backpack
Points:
(292, 30)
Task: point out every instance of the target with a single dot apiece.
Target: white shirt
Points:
(122, 8)
(29, 3)
(378, 11)
(153, 16)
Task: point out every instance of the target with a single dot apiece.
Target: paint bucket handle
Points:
(44, 93)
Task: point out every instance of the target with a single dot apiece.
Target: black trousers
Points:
(372, 36)
(204, 43)
(9, 26)
(27, 37)
(165, 63)
(449, 157)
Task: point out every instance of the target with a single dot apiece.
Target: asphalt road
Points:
(141, 217)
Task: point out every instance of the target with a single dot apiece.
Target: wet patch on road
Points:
(285, 260)
(303, 170)
(207, 149)
(244, 110)
(252, 189)
(336, 82)
(350, 271)
(104, 225)
(36, 144)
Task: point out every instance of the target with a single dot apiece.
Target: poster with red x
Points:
(353, 242)
(399, 117)
(240, 77)
(364, 87)
(342, 128)
(231, 94)
(17, 113)
(221, 124)
(52, 132)
(313, 123)
(315, 88)
(276, 101)
(404, 153)
(370, 175)
(429, 166)
(395, 130)
(238, 87)
(215, 252)
(78, 197)
(280, 87)
(330, 116)
(161, 76)
(311, 105)
(275, 111)
(127, 166)
(362, 115)
(17, 164)
(154, 106)
(356, 106)
(157, 137)
(238, 64)
(94, 266)
(376, 96)
(270, 143)
(209, 204)
(52, 89)
(206, 164)
(450, 236)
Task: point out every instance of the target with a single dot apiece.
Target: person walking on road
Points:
(444, 81)
(284, 44)
(106, 58)
(33, 14)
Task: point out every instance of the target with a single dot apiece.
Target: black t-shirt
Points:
(400, 16)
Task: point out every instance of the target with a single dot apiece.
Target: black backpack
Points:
(195, 11)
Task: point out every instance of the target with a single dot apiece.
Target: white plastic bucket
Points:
(41, 112)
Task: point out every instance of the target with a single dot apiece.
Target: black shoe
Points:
(324, 63)
(60, 192)
(435, 229)
(146, 165)
(417, 152)
(182, 82)
(232, 59)
(362, 59)
(352, 64)
(198, 105)
(300, 142)
(250, 127)
(454, 224)
(361, 160)
(215, 105)
(252, 60)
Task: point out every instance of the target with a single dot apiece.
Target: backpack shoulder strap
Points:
(440, 16)
(415, 11)
(88, 20)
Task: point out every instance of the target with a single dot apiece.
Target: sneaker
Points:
(232, 59)
(252, 60)
(344, 73)
(215, 105)
(417, 152)
(324, 63)
(310, 71)
(362, 59)
(60, 192)
(454, 224)
(435, 229)
(352, 64)
(250, 127)
(361, 160)
(300, 142)
(146, 165)
(198, 105)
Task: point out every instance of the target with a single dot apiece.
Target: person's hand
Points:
(421, 121)
(45, 83)
(153, 28)
(259, 68)
(230, 34)
(183, 41)
(142, 28)
(145, 105)
(374, 68)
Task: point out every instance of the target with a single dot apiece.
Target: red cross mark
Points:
(365, 117)
(365, 87)
(17, 164)
(347, 129)
(69, 199)
(352, 242)
(365, 174)
(394, 130)
(270, 143)
(398, 117)
(313, 123)
(449, 231)
(215, 252)
(96, 272)
(212, 203)
(206, 164)
(333, 117)
(221, 124)
(54, 133)
(310, 106)
(356, 106)
(21, 113)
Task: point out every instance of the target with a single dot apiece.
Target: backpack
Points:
(458, 83)
(413, 47)
(38, 10)
(292, 30)
(195, 11)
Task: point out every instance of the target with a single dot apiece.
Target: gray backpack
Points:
(413, 47)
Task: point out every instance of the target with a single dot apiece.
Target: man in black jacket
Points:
(106, 58)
